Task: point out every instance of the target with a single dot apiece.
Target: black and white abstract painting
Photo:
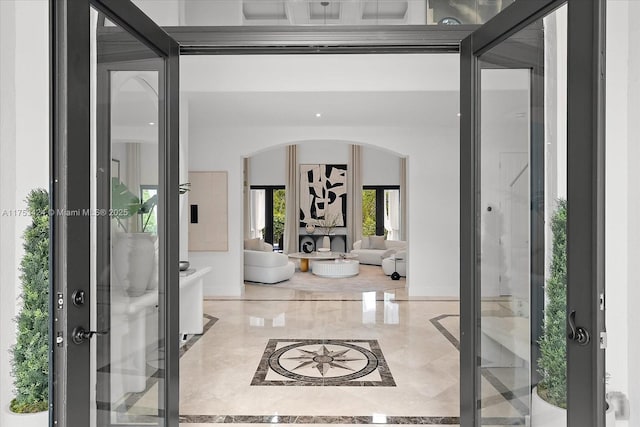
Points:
(323, 194)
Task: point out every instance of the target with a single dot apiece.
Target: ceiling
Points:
(317, 12)
(405, 109)
(408, 91)
(403, 91)
(346, 90)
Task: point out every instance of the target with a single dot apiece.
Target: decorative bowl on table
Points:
(184, 265)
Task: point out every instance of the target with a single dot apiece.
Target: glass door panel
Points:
(129, 362)
(115, 158)
(522, 223)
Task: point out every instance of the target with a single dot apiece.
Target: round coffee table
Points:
(337, 268)
(318, 256)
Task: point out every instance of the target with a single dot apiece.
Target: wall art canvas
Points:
(323, 194)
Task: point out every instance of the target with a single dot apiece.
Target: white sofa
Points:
(396, 262)
(374, 256)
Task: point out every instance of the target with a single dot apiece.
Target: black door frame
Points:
(585, 186)
(268, 207)
(380, 204)
(70, 178)
(70, 160)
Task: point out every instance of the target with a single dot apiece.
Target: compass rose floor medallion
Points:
(327, 362)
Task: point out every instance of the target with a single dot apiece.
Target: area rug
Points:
(371, 278)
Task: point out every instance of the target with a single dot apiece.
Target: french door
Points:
(115, 228)
(532, 301)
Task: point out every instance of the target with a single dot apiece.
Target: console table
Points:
(130, 337)
(338, 241)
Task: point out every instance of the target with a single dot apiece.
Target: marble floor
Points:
(280, 356)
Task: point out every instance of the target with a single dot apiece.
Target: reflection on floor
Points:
(227, 375)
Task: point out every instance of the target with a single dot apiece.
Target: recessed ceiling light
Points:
(152, 123)
(318, 115)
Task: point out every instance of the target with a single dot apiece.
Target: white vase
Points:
(153, 280)
(133, 259)
(326, 242)
(37, 419)
(544, 414)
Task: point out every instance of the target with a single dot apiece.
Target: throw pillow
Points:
(387, 253)
(365, 243)
(376, 242)
(253, 244)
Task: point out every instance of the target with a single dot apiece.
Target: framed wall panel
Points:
(208, 211)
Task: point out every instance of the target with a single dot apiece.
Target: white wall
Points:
(322, 152)
(433, 195)
(24, 153)
(268, 167)
(379, 167)
(633, 213)
(622, 201)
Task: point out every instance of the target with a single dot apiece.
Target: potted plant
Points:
(30, 354)
(133, 248)
(135, 252)
(549, 400)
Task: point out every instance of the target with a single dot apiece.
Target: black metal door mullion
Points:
(70, 190)
(585, 209)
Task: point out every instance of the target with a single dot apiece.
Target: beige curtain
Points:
(354, 196)
(246, 188)
(292, 189)
(403, 198)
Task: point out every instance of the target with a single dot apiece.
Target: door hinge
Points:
(603, 340)
(60, 300)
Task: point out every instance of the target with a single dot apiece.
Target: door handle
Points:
(80, 335)
(577, 333)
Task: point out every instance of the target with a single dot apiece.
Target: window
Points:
(267, 214)
(381, 211)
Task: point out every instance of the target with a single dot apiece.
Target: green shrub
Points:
(552, 364)
(30, 362)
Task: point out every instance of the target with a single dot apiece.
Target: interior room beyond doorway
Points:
(235, 107)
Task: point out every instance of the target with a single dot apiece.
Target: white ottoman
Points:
(391, 264)
(335, 268)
